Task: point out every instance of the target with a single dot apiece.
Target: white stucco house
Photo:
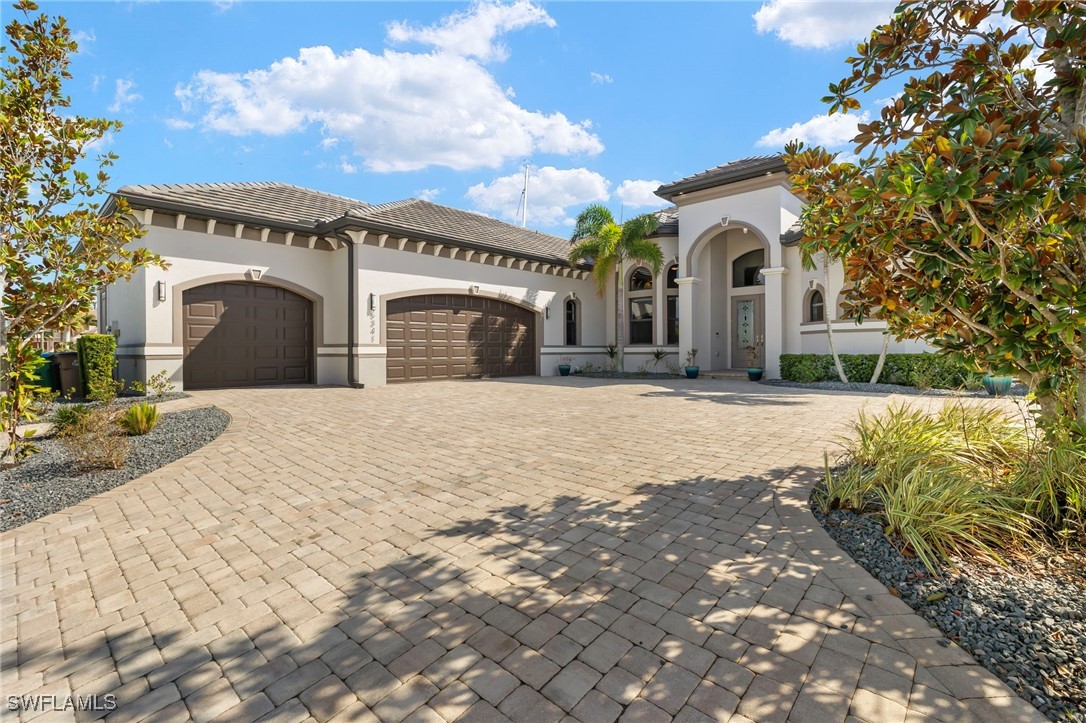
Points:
(270, 283)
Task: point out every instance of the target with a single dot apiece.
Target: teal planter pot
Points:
(755, 375)
(563, 369)
(997, 386)
(692, 372)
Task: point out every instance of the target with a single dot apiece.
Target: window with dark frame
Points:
(816, 307)
(640, 306)
(571, 322)
(672, 288)
(747, 269)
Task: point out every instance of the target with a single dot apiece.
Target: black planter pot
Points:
(754, 374)
(692, 372)
(563, 369)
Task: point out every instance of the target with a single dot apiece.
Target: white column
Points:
(774, 320)
(687, 331)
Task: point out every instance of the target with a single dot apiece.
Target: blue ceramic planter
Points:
(692, 372)
(755, 375)
(997, 386)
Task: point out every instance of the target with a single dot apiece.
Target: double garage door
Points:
(240, 334)
(450, 336)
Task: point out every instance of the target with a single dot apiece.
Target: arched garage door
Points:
(449, 336)
(239, 334)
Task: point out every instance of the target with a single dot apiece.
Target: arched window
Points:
(747, 269)
(672, 289)
(571, 323)
(640, 306)
(816, 306)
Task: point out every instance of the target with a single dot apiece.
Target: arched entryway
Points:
(244, 334)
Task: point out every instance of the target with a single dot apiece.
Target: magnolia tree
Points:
(964, 221)
(57, 248)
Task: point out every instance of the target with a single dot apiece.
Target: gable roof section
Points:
(732, 172)
(668, 220)
(274, 204)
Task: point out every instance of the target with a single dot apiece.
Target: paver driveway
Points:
(528, 549)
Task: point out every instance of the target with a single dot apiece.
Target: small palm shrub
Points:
(139, 419)
(100, 443)
(68, 420)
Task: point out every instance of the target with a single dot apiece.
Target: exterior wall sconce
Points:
(160, 290)
(255, 274)
(372, 302)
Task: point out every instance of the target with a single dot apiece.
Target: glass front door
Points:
(748, 330)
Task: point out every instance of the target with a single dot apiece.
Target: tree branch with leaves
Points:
(58, 248)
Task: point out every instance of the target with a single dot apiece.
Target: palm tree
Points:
(599, 241)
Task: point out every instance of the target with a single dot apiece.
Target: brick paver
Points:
(504, 550)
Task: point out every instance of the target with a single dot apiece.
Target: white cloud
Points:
(639, 194)
(221, 6)
(601, 78)
(824, 130)
(473, 32)
(178, 124)
(124, 96)
(96, 81)
(100, 145)
(84, 39)
(347, 167)
(167, 142)
(428, 194)
(550, 192)
(822, 23)
(401, 111)
(327, 143)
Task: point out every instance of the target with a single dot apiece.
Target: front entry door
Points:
(748, 329)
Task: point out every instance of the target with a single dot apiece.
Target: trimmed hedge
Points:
(97, 358)
(924, 371)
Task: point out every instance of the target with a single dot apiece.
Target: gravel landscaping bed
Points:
(1017, 390)
(1027, 627)
(47, 482)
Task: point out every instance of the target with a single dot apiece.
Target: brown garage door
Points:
(447, 336)
(242, 335)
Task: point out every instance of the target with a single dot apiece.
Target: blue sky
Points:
(445, 101)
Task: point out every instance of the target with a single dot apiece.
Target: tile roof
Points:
(668, 219)
(740, 170)
(426, 219)
(294, 207)
(272, 203)
(793, 234)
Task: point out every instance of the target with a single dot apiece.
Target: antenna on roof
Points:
(523, 207)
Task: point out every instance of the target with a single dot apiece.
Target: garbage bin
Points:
(70, 378)
(48, 375)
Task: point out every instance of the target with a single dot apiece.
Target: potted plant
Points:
(564, 365)
(692, 367)
(997, 386)
(754, 372)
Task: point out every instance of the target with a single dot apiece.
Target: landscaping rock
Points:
(1028, 629)
(1017, 390)
(47, 482)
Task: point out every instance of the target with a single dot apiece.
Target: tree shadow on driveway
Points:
(683, 599)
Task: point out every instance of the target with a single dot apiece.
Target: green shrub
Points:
(68, 419)
(926, 371)
(1051, 482)
(160, 384)
(97, 358)
(140, 418)
(940, 510)
(100, 445)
